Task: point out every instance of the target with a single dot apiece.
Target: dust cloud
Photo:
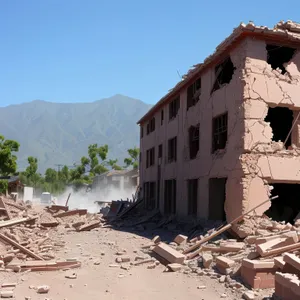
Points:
(88, 200)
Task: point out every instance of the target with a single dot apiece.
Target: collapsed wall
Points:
(271, 159)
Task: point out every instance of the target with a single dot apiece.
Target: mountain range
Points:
(60, 133)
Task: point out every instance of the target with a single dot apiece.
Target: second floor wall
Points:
(215, 119)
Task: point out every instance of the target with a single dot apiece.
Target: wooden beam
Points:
(15, 222)
(225, 228)
(279, 251)
(20, 247)
(71, 213)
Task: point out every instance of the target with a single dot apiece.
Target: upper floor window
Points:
(160, 150)
(150, 159)
(219, 132)
(151, 125)
(194, 141)
(223, 74)
(174, 108)
(193, 93)
(172, 149)
(142, 131)
(161, 117)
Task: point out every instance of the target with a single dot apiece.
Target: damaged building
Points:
(227, 137)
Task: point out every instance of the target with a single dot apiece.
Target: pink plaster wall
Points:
(265, 161)
(206, 165)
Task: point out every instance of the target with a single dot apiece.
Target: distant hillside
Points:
(59, 133)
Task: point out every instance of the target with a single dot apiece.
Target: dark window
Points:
(160, 149)
(172, 149)
(194, 141)
(140, 157)
(192, 186)
(149, 195)
(162, 117)
(281, 121)
(217, 195)
(278, 56)
(142, 131)
(193, 93)
(151, 126)
(219, 137)
(170, 197)
(150, 159)
(223, 74)
(174, 108)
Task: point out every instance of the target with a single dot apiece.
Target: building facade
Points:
(227, 136)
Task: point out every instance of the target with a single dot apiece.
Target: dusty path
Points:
(103, 281)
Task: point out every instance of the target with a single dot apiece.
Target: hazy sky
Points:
(82, 51)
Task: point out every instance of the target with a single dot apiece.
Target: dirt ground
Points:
(100, 277)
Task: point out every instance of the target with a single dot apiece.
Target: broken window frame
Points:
(272, 49)
(192, 193)
(219, 132)
(221, 69)
(194, 141)
(174, 107)
(193, 93)
(172, 150)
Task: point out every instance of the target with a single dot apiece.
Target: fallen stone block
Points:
(249, 295)
(224, 262)
(71, 276)
(43, 289)
(262, 249)
(180, 239)
(174, 267)
(279, 262)
(259, 274)
(292, 264)
(207, 260)
(156, 239)
(7, 294)
(287, 286)
(291, 234)
(169, 254)
(232, 247)
(224, 265)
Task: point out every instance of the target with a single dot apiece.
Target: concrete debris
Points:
(43, 289)
(174, 267)
(31, 232)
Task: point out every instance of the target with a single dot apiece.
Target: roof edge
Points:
(289, 31)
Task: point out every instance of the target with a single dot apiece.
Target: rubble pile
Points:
(29, 235)
(266, 259)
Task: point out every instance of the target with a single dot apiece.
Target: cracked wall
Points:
(265, 161)
(225, 163)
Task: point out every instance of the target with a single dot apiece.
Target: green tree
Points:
(8, 161)
(30, 175)
(113, 164)
(51, 175)
(133, 159)
(64, 174)
(32, 168)
(3, 186)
